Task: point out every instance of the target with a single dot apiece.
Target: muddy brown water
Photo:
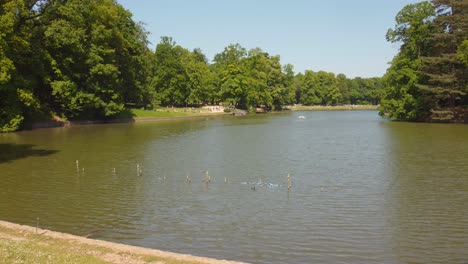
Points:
(364, 190)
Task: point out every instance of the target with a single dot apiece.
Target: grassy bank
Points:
(333, 108)
(132, 115)
(24, 244)
(172, 112)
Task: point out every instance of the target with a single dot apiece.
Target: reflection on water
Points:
(10, 152)
(363, 190)
(431, 192)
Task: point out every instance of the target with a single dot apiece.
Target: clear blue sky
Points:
(340, 36)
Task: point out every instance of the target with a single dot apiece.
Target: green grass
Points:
(170, 112)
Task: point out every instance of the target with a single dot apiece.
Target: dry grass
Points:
(21, 244)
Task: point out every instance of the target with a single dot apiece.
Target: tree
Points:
(343, 86)
(429, 73)
(444, 75)
(199, 79)
(402, 99)
(232, 54)
(97, 56)
(310, 93)
(75, 59)
(19, 64)
(265, 80)
(169, 76)
(180, 77)
(233, 86)
(330, 89)
(227, 67)
(288, 94)
(463, 52)
(297, 84)
(320, 88)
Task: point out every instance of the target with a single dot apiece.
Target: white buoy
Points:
(188, 179)
(77, 166)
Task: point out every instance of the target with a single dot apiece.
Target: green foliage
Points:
(10, 111)
(6, 67)
(402, 99)
(431, 71)
(323, 88)
(95, 51)
(366, 90)
(28, 100)
(180, 77)
(83, 59)
(413, 25)
(253, 79)
(444, 77)
(233, 86)
(77, 58)
(463, 52)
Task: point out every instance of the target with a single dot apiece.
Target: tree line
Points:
(88, 59)
(248, 79)
(428, 78)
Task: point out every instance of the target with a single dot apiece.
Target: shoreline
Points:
(52, 124)
(333, 108)
(27, 243)
(295, 108)
(55, 124)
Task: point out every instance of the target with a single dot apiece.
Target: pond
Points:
(363, 190)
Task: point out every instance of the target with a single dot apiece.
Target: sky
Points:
(339, 36)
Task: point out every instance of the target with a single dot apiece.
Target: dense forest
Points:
(88, 59)
(428, 78)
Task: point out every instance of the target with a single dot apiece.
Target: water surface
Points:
(363, 190)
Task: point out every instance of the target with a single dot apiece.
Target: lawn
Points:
(171, 112)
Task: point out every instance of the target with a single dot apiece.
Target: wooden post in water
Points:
(77, 166)
(207, 177)
(139, 170)
(289, 182)
(207, 181)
